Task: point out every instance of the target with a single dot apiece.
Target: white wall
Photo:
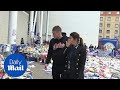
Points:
(22, 27)
(86, 23)
(4, 16)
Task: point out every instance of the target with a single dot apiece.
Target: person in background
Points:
(114, 52)
(38, 39)
(91, 48)
(95, 48)
(85, 45)
(75, 57)
(13, 48)
(22, 41)
(55, 52)
(17, 50)
(2, 49)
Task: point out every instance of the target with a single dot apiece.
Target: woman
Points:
(75, 57)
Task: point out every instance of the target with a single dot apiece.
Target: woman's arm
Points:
(82, 59)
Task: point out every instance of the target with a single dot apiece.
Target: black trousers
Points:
(56, 72)
(71, 75)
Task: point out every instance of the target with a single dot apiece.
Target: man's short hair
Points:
(63, 34)
(57, 28)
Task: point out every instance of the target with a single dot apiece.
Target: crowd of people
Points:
(102, 51)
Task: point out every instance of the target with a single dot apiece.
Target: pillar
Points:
(41, 26)
(47, 26)
(31, 25)
(12, 28)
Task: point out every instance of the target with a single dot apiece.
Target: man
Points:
(55, 52)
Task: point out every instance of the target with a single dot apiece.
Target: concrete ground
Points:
(38, 72)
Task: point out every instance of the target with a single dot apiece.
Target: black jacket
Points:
(76, 63)
(56, 54)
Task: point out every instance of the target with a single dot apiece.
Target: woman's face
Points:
(72, 40)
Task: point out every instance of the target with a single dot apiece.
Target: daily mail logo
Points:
(15, 65)
(12, 65)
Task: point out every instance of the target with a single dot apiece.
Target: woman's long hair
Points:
(75, 35)
(81, 42)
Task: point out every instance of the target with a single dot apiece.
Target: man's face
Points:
(56, 34)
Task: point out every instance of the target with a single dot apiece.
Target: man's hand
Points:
(61, 45)
(46, 66)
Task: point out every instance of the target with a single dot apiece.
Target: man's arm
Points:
(50, 52)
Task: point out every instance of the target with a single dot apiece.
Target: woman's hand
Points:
(68, 43)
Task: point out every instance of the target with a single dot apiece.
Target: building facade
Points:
(23, 26)
(42, 22)
(109, 26)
